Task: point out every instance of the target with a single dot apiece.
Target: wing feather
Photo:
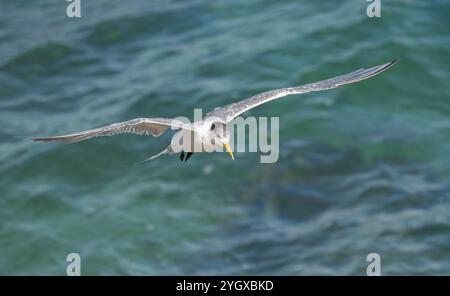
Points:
(139, 126)
(228, 112)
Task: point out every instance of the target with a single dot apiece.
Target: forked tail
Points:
(168, 151)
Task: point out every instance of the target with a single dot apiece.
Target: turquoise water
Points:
(363, 168)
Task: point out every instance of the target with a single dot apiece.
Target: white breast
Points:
(194, 141)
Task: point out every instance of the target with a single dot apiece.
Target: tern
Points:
(212, 130)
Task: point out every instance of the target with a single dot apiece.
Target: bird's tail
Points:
(168, 151)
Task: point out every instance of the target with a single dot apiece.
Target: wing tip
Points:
(383, 68)
(392, 63)
(44, 139)
(57, 139)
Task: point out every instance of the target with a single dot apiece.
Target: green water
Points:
(363, 168)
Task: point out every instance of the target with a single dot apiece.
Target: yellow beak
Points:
(228, 149)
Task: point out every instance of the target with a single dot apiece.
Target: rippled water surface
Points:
(363, 168)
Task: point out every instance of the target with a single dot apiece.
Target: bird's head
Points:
(220, 136)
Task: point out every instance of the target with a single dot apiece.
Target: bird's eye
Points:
(213, 126)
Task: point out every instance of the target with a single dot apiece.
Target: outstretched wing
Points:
(228, 112)
(140, 126)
